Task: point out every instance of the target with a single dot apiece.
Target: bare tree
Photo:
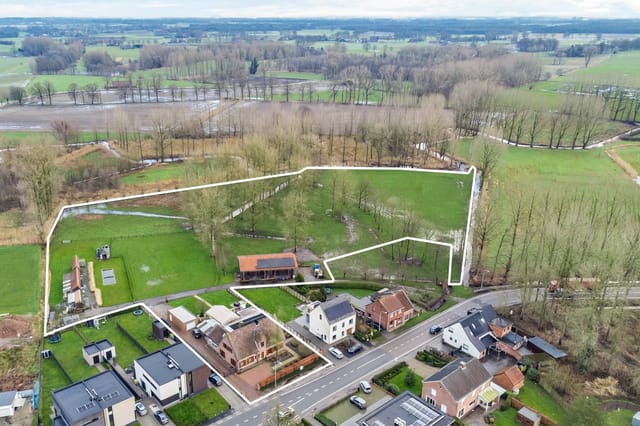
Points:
(65, 131)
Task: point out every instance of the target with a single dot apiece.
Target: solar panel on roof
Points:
(279, 262)
(419, 411)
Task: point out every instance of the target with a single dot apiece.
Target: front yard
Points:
(194, 411)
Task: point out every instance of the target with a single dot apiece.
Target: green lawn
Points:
(152, 251)
(69, 352)
(276, 301)
(296, 75)
(190, 303)
(219, 297)
(399, 381)
(139, 327)
(199, 408)
(630, 154)
(20, 289)
(537, 398)
(619, 417)
(425, 315)
(53, 379)
(126, 351)
(155, 174)
(61, 82)
(113, 294)
(355, 292)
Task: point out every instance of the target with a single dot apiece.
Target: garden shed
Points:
(159, 330)
(181, 318)
(98, 352)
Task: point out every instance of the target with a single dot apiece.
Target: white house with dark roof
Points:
(101, 399)
(332, 320)
(472, 335)
(171, 374)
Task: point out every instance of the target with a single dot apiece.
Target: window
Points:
(461, 413)
(333, 337)
(342, 324)
(431, 401)
(335, 327)
(465, 346)
(443, 408)
(350, 321)
(342, 333)
(320, 316)
(473, 401)
(433, 392)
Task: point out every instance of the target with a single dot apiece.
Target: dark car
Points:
(215, 379)
(355, 348)
(435, 329)
(196, 333)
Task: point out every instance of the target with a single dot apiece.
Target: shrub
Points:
(409, 378)
(381, 379)
(299, 278)
(392, 388)
(506, 404)
(533, 375)
(326, 421)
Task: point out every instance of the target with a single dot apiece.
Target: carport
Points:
(537, 345)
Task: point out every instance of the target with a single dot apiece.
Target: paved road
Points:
(342, 378)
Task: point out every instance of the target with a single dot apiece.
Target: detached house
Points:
(243, 347)
(459, 387)
(102, 399)
(171, 374)
(332, 320)
(390, 309)
(267, 267)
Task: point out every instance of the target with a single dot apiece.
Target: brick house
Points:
(390, 309)
(459, 387)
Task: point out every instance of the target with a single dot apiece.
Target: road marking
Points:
(371, 360)
(301, 399)
(323, 386)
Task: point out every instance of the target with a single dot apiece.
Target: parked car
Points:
(141, 410)
(196, 332)
(435, 329)
(336, 352)
(215, 379)
(160, 416)
(365, 386)
(358, 402)
(355, 348)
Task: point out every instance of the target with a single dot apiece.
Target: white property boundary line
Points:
(472, 170)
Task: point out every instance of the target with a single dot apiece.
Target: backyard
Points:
(276, 301)
(20, 270)
(194, 411)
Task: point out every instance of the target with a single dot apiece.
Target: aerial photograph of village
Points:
(281, 213)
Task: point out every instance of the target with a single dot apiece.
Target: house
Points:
(181, 319)
(527, 417)
(390, 309)
(171, 374)
(267, 267)
(98, 352)
(510, 378)
(406, 409)
(72, 284)
(472, 335)
(332, 320)
(101, 399)
(503, 330)
(245, 346)
(459, 387)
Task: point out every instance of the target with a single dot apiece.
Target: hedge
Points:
(326, 421)
(381, 379)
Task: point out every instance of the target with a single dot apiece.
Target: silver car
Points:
(336, 352)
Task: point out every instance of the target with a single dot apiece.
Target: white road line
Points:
(301, 399)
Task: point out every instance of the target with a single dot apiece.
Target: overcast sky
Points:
(319, 8)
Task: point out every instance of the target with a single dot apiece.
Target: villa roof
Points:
(461, 377)
(265, 262)
(337, 308)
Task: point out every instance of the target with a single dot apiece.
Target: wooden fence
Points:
(285, 371)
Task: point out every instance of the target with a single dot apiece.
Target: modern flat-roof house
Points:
(332, 320)
(406, 409)
(267, 267)
(171, 374)
(181, 319)
(390, 309)
(102, 400)
(459, 387)
(98, 352)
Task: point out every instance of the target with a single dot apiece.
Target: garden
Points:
(194, 411)
(20, 270)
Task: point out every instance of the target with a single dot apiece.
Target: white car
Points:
(336, 352)
(365, 386)
(141, 409)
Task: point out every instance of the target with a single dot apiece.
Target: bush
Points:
(326, 421)
(409, 378)
(434, 358)
(533, 375)
(392, 388)
(299, 278)
(506, 404)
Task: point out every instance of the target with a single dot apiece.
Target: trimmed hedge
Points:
(326, 421)
(381, 379)
(433, 359)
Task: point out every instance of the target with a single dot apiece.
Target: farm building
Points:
(171, 374)
(98, 352)
(267, 267)
(102, 399)
(181, 319)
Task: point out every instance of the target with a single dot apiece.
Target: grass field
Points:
(61, 82)
(276, 301)
(196, 306)
(126, 351)
(399, 381)
(630, 154)
(20, 290)
(151, 250)
(296, 75)
(196, 410)
(155, 174)
(140, 327)
(69, 352)
(53, 379)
